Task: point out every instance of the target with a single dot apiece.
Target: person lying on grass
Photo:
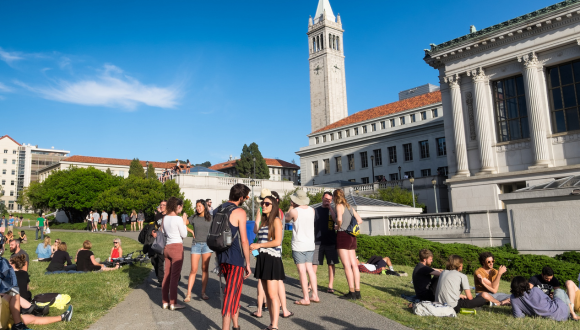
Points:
(574, 296)
(86, 262)
(378, 265)
(452, 282)
(486, 278)
(529, 300)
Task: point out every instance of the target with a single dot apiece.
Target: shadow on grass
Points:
(137, 274)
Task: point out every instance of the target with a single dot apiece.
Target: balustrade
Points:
(443, 221)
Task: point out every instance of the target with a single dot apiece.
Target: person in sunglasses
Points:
(201, 222)
(486, 279)
(116, 250)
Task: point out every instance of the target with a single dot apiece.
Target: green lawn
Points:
(382, 294)
(109, 287)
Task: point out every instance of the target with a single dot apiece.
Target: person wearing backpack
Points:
(234, 258)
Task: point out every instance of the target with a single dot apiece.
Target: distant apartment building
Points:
(279, 169)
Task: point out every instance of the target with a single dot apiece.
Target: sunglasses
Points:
(266, 204)
(115, 242)
(490, 262)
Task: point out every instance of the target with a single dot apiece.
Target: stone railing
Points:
(437, 221)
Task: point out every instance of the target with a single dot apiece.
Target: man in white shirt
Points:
(96, 218)
(104, 219)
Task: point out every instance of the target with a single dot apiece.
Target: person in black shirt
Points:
(17, 262)
(546, 282)
(157, 259)
(325, 238)
(86, 262)
(422, 282)
(59, 258)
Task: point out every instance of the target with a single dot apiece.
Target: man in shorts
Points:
(235, 261)
(486, 279)
(325, 238)
(96, 219)
(104, 219)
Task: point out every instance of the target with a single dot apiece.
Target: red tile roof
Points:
(6, 136)
(387, 109)
(113, 161)
(269, 162)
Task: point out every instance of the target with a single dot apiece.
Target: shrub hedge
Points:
(404, 250)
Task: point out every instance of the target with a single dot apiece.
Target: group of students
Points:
(541, 295)
(10, 223)
(98, 221)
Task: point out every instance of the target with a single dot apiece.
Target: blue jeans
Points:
(200, 248)
(41, 232)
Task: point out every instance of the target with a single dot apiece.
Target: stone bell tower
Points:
(327, 76)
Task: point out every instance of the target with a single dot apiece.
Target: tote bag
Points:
(158, 245)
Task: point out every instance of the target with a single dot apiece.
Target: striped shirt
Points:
(263, 238)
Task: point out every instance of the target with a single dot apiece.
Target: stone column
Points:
(483, 130)
(538, 130)
(458, 127)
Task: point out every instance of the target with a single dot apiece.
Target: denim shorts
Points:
(200, 248)
(302, 257)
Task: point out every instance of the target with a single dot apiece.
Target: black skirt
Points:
(269, 268)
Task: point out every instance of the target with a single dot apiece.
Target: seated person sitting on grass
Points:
(574, 296)
(452, 282)
(17, 262)
(529, 300)
(10, 306)
(422, 282)
(116, 250)
(23, 237)
(378, 265)
(54, 246)
(16, 250)
(9, 236)
(487, 279)
(59, 258)
(546, 282)
(86, 262)
(44, 250)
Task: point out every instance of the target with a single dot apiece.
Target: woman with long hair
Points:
(133, 220)
(346, 243)
(269, 266)
(44, 250)
(188, 168)
(201, 221)
(173, 227)
(140, 219)
(529, 300)
(116, 250)
(114, 222)
(54, 247)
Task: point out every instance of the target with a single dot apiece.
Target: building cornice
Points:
(490, 177)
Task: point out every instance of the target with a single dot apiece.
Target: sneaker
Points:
(357, 295)
(20, 326)
(66, 316)
(491, 304)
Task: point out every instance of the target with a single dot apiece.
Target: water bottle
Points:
(228, 237)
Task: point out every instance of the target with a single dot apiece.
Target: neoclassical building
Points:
(511, 94)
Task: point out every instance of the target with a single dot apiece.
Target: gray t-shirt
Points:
(95, 216)
(451, 283)
(105, 215)
(21, 252)
(200, 228)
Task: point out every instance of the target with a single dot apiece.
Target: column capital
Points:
(452, 80)
(478, 75)
(530, 61)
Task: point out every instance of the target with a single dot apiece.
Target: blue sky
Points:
(198, 79)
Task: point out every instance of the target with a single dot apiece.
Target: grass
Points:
(382, 295)
(109, 287)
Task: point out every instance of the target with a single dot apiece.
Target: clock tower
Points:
(327, 76)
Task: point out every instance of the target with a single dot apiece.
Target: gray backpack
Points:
(429, 308)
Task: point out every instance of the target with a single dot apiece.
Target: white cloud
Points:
(4, 88)
(9, 57)
(109, 88)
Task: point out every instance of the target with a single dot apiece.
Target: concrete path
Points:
(141, 309)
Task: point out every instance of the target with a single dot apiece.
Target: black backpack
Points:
(219, 231)
(143, 235)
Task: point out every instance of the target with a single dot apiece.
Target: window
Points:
(441, 148)
(350, 162)
(317, 140)
(364, 160)
(3, 182)
(424, 146)
(364, 129)
(339, 135)
(564, 84)
(413, 119)
(434, 113)
(392, 154)
(408, 149)
(383, 124)
(424, 115)
(5, 151)
(14, 152)
(13, 172)
(402, 120)
(315, 168)
(356, 131)
(11, 182)
(392, 122)
(347, 133)
(5, 161)
(351, 180)
(394, 176)
(365, 180)
(410, 174)
(444, 171)
(326, 163)
(122, 173)
(11, 192)
(3, 171)
(331, 136)
(378, 157)
(278, 171)
(324, 138)
(373, 127)
(11, 205)
(426, 172)
(510, 109)
(338, 162)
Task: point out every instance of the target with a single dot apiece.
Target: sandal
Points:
(204, 296)
(255, 314)
(187, 298)
(289, 315)
(330, 290)
(298, 302)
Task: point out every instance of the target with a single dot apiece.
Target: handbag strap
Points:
(346, 208)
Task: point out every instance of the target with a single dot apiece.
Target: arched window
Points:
(337, 43)
(317, 43)
(334, 42)
(322, 41)
(314, 44)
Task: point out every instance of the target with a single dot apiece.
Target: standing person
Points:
(236, 259)
(124, 219)
(104, 220)
(114, 222)
(96, 220)
(3, 224)
(269, 266)
(303, 244)
(188, 167)
(40, 226)
(21, 220)
(486, 278)
(157, 259)
(133, 220)
(140, 219)
(325, 238)
(177, 167)
(423, 283)
(201, 222)
(208, 202)
(89, 221)
(11, 223)
(175, 230)
(346, 243)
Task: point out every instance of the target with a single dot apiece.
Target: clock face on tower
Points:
(317, 69)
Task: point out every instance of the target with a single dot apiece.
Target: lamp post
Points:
(412, 180)
(294, 177)
(147, 163)
(434, 182)
(400, 177)
(373, 169)
(313, 182)
(252, 183)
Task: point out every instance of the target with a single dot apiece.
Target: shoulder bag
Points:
(158, 245)
(353, 228)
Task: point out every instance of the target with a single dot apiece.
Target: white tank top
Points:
(303, 230)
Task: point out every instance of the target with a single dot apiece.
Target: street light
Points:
(294, 178)
(412, 180)
(400, 177)
(373, 168)
(147, 163)
(252, 183)
(434, 182)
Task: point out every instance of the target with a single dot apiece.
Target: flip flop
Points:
(285, 317)
(204, 296)
(255, 314)
(297, 302)
(329, 290)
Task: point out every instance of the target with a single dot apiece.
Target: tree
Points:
(245, 165)
(136, 169)
(285, 202)
(23, 199)
(204, 164)
(151, 172)
(2, 205)
(397, 195)
(134, 193)
(109, 171)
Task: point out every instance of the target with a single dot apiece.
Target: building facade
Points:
(510, 95)
(279, 170)
(9, 170)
